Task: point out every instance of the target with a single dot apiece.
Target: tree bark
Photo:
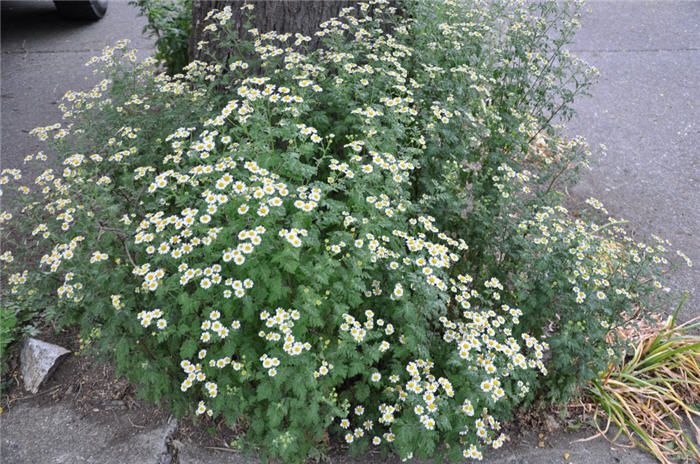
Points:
(302, 16)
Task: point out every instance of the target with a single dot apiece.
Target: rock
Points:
(38, 361)
(551, 423)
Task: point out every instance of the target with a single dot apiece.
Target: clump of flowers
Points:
(335, 241)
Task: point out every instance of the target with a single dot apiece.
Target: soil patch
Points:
(88, 385)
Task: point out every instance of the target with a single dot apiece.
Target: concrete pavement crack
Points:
(169, 453)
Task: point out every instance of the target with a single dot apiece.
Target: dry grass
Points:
(653, 397)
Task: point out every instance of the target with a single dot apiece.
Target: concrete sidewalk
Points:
(645, 110)
(59, 434)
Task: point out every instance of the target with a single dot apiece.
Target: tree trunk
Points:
(302, 16)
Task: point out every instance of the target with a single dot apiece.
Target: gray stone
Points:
(551, 423)
(59, 435)
(39, 360)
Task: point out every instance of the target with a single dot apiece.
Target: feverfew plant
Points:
(351, 240)
(169, 22)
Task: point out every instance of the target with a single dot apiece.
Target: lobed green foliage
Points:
(169, 22)
(362, 239)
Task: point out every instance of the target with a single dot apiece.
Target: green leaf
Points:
(274, 414)
(188, 349)
(122, 350)
(187, 304)
(265, 390)
(362, 392)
